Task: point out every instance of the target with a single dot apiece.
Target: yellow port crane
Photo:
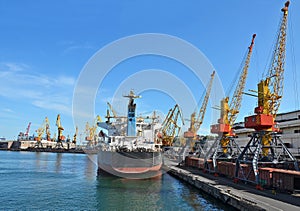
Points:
(47, 125)
(265, 144)
(87, 131)
(270, 89)
(75, 136)
(40, 132)
(196, 122)
(225, 146)
(170, 126)
(60, 137)
(90, 131)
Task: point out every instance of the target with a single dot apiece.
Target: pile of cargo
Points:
(280, 179)
(270, 178)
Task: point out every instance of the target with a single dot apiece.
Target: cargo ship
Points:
(128, 145)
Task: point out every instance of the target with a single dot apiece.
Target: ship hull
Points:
(133, 165)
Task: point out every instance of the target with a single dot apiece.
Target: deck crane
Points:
(60, 137)
(225, 146)
(265, 146)
(108, 114)
(114, 114)
(196, 122)
(112, 110)
(170, 126)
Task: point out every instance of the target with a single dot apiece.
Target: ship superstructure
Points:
(130, 147)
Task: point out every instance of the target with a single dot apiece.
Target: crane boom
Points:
(170, 126)
(60, 137)
(235, 103)
(40, 131)
(112, 110)
(275, 73)
(47, 125)
(202, 110)
(75, 135)
(270, 89)
(91, 136)
(27, 130)
(225, 145)
(265, 145)
(87, 129)
(229, 112)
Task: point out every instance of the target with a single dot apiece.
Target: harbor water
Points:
(65, 181)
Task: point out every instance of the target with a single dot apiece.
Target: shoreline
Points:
(240, 196)
(53, 150)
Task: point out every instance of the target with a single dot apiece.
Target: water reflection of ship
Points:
(58, 162)
(130, 148)
(135, 194)
(90, 166)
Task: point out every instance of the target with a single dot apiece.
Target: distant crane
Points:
(26, 134)
(225, 146)
(60, 137)
(196, 122)
(87, 132)
(75, 136)
(91, 136)
(40, 131)
(265, 145)
(47, 125)
(170, 126)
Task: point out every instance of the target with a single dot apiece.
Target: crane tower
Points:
(170, 126)
(265, 146)
(224, 146)
(60, 137)
(196, 122)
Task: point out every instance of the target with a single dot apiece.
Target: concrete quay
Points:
(240, 196)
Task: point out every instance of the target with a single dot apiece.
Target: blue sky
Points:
(44, 46)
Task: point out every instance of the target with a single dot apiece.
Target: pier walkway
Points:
(240, 196)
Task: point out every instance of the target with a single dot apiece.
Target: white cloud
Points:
(72, 46)
(7, 113)
(40, 90)
(10, 66)
(53, 105)
(8, 110)
(64, 80)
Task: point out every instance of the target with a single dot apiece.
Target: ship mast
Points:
(131, 118)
